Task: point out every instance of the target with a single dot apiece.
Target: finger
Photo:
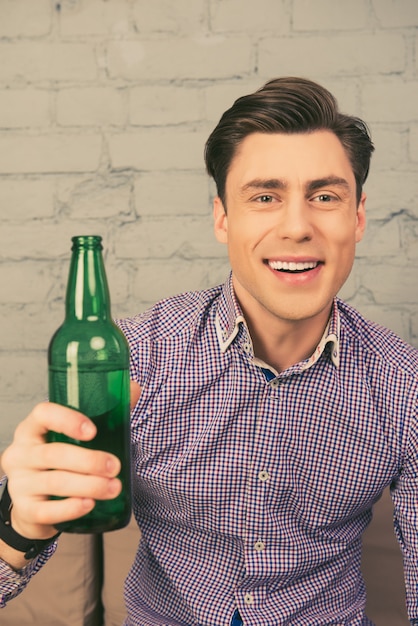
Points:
(67, 484)
(39, 520)
(135, 393)
(74, 458)
(36, 512)
(48, 416)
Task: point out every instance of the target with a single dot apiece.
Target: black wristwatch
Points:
(31, 547)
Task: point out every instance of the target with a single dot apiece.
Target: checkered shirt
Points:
(253, 487)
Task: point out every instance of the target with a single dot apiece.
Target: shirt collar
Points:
(331, 338)
(229, 317)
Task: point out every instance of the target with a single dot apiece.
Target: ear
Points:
(361, 218)
(220, 221)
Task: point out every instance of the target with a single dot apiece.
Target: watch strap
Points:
(31, 547)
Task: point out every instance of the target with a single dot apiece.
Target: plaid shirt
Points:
(253, 487)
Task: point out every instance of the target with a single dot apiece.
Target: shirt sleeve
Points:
(405, 498)
(13, 582)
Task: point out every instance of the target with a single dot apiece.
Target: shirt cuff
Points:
(13, 582)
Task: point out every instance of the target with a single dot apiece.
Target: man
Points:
(268, 416)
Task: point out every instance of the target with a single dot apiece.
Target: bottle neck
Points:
(87, 296)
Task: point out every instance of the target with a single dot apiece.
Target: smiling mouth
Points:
(293, 267)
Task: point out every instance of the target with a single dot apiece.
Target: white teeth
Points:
(291, 266)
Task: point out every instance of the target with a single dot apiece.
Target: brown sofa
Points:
(82, 585)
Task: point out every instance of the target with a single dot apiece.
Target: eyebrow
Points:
(328, 181)
(268, 183)
(312, 185)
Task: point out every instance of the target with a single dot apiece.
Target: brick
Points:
(53, 241)
(157, 149)
(25, 18)
(389, 150)
(25, 281)
(396, 13)
(395, 319)
(348, 290)
(391, 192)
(30, 368)
(49, 153)
(155, 280)
(162, 16)
(409, 236)
(190, 238)
(24, 108)
(98, 197)
(329, 15)
(390, 284)
(390, 101)
(44, 61)
(347, 94)
(220, 96)
(172, 193)
(192, 58)
(94, 17)
(334, 55)
(414, 329)
(91, 106)
(160, 105)
(25, 199)
(119, 279)
(14, 410)
(28, 327)
(236, 16)
(382, 239)
(413, 143)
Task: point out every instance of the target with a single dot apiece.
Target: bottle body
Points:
(88, 370)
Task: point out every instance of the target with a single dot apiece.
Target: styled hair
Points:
(286, 105)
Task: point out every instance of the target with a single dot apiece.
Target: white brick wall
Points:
(104, 110)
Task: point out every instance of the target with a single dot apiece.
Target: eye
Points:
(264, 199)
(324, 197)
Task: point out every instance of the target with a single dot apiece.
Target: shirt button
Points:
(249, 598)
(247, 347)
(259, 546)
(274, 383)
(263, 476)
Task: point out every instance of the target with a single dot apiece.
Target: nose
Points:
(296, 220)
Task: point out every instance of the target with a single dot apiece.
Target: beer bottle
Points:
(88, 365)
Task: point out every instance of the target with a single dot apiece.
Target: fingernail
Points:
(87, 429)
(88, 504)
(114, 486)
(112, 465)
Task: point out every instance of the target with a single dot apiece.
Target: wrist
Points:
(9, 536)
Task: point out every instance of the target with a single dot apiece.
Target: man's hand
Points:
(37, 470)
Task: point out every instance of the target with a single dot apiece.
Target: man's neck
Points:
(282, 343)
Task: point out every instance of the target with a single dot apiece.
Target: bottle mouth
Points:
(87, 241)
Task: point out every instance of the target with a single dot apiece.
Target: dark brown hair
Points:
(286, 105)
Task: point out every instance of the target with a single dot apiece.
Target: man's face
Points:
(291, 224)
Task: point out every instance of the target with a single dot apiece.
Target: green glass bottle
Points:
(88, 363)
